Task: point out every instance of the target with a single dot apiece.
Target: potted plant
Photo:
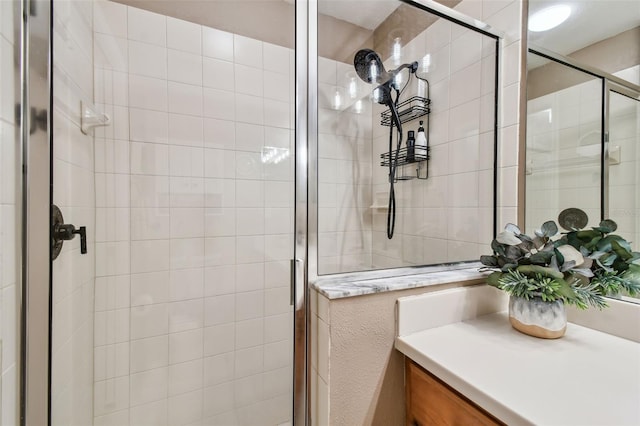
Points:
(545, 272)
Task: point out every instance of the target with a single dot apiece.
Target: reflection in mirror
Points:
(563, 142)
(566, 112)
(624, 165)
(600, 34)
(444, 206)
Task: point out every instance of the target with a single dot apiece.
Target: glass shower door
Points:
(173, 148)
(623, 163)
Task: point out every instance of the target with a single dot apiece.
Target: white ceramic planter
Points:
(547, 320)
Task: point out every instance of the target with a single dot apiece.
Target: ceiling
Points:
(363, 13)
(590, 21)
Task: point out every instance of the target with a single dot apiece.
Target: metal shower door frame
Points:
(35, 23)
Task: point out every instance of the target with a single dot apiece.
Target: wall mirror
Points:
(438, 208)
(583, 113)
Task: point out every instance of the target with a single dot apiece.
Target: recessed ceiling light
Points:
(549, 17)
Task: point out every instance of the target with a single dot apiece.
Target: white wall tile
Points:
(185, 67)
(110, 361)
(185, 130)
(149, 353)
(183, 35)
(185, 99)
(149, 256)
(219, 134)
(149, 126)
(149, 159)
(219, 339)
(219, 280)
(247, 51)
(147, 27)
(186, 408)
(219, 104)
(248, 80)
(219, 369)
(149, 386)
(148, 93)
(110, 18)
(217, 44)
(219, 310)
(186, 161)
(185, 346)
(149, 288)
(154, 413)
(149, 321)
(185, 315)
(147, 60)
(276, 58)
(187, 253)
(185, 377)
(249, 109)
(186, 284)
(111, 395)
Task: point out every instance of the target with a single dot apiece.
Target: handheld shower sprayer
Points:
(370, 69)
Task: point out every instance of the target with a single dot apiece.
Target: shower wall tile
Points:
(204, 214)
(184, 36)
(186, 130)
(185, 67)
(247, 51)
(148, 93)
(147, 60)
(217, 44)
(146, 26)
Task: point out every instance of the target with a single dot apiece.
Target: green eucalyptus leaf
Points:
(632, 274)
(532, 270)
(565, 289)
(491, 261)
(559, 257)
(497, 247)
(508, 238)
(607, 226)
(549, 228)
(605, 243)
(494, 279)
(623, 253)
(585, 272)
(510, 227)
(541, 258)
(508, 266)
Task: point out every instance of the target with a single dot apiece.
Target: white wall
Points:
(73, 192)
(194, 224)
(9, 231)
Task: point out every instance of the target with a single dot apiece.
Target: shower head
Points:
(369, 67)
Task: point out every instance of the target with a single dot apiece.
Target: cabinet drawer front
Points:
(431, 402)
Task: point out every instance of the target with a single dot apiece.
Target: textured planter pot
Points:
(547, 320)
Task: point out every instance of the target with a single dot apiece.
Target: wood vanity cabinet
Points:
(432, 402)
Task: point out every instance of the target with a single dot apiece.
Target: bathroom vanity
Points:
(465, 364)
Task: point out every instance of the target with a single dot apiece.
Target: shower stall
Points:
(175, 173)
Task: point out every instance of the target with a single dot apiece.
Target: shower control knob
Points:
(62, 232)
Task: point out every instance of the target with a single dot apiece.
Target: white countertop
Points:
(584, 378)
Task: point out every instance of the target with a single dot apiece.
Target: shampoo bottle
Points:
(420, 144)
(411, 142)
